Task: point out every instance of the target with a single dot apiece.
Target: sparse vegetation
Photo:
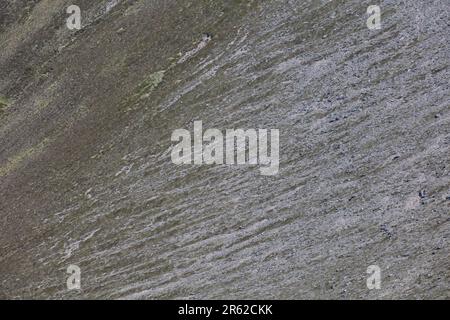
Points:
(4, 103)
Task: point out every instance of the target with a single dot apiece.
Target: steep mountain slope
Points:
(86, 178)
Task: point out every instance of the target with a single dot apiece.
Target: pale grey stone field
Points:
(86, 177)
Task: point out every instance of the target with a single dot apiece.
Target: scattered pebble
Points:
(422, 194)
(334, 120)
(88, 193)
(386, 231)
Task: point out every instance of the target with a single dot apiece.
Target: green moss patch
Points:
(4, 103)
(145, 89)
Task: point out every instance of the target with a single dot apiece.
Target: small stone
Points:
(385, 230)
(334, 120)
(88, 193)
(207, 36)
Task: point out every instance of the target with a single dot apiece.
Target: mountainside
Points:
(86, 177)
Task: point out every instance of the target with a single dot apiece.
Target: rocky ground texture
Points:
(86, 177)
